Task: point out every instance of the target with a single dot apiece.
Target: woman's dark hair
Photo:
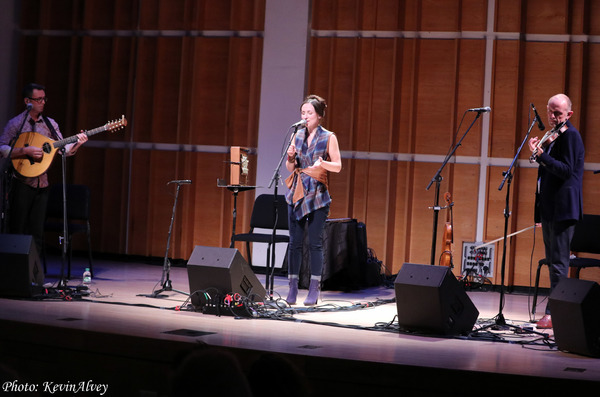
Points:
(318, 103)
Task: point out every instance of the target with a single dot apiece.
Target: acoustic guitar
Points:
(30, 167)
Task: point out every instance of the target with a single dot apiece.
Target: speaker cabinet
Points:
(20, 272)
(222, 271)
(574, 306)
(430, 300)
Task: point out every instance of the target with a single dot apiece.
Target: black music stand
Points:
(165, 279)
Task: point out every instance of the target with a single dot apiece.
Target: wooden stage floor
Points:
(347, 345)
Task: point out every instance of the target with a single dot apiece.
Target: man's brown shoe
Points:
(544, 322)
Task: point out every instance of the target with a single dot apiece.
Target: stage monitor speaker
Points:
(20, 272)
(574, 306)
(225, 270)
(430, 300)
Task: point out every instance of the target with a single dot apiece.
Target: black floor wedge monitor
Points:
(430, 300)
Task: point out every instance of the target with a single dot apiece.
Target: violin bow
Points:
(502, 238)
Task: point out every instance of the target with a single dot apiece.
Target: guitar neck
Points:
(72, 139)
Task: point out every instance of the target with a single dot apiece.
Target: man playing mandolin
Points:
(28, 196)
(558, 201)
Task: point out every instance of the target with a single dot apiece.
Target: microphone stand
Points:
(64, 240)
(275, 181)
(165, 280)
(437, 178)
(499, 321)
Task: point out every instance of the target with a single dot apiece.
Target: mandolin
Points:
(448, 239)
(30, 167)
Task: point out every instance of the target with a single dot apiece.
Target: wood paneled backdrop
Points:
(398, 77)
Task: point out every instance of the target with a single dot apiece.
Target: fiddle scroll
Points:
(448, 240)
(546, 140)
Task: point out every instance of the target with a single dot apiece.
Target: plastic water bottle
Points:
(87, 277)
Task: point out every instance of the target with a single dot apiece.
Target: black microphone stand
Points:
(275, 181)
(437, 178)
(165, 279)
(64, 240)
(499, 320)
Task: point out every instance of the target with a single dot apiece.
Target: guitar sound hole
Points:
(46, 147)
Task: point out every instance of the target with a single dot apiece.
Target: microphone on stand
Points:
(541, 125)
(299, 123)
(481, 110)
(29, 106)
(181, 182)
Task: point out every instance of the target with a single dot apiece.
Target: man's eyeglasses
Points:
(40, 99)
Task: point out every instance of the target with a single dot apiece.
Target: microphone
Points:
(537, 117)
(299, 123)
(29, 106)
(481, 110)
(181, 182)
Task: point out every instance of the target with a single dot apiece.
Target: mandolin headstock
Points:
(116, 125)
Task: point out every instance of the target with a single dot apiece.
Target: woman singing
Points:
(313, 154)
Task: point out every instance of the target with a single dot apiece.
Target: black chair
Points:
(586, 240)
(78, 217)
(263, 218)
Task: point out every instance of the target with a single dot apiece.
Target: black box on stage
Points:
(20, 272)
(574, 305)
(430, 300)
(223, 271)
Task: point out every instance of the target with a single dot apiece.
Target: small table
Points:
(235, 189)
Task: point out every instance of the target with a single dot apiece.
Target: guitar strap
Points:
(50, 127)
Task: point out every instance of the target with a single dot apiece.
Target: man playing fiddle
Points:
(558, 200)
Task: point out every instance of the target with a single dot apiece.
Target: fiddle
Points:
(448, 239)
(546, 140)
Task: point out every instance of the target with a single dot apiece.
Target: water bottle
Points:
(87, 277)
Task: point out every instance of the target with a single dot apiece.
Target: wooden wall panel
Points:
(407, 72)
(440, 15)
(399, 221)
(174, 89)
(503, 120)
(397, 75)
(588, 108)
(470, 79)
(547, 20)
(436, 96)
